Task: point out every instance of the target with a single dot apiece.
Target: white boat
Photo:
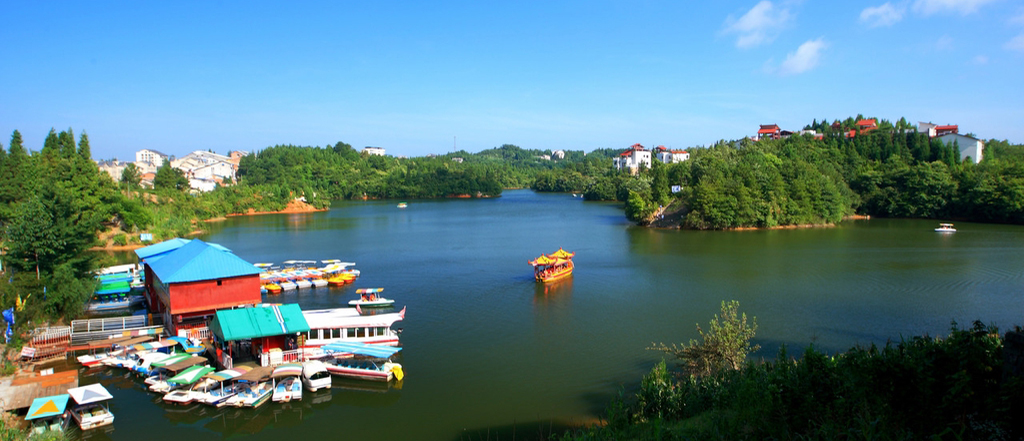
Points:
(402, 205)
(144, 364)
(184, 394)
(370, 298)
(90, 410)
(287, 286)
(303, 284)
(287, 385)
(346, 324)
(319, 283)
(315, 376)
(251, 395)
(945, 228)
(374, 364)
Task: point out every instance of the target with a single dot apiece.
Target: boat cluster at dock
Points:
(239, 360)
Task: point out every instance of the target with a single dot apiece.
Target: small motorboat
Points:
(402, 204)
(315, 376)
(252, 395)
(370, 298)
(288, 386)
(945, 228)
(272, 288)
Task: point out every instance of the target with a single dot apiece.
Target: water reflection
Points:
(553, 291)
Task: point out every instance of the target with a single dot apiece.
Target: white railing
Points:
(108, 324)
(199, 332)
(280, 357)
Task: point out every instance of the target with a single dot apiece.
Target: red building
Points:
(188, 281)
(946, 130)
(770, 131)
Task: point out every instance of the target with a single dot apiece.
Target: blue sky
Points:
(413, 77)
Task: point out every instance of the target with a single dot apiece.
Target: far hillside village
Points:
(206, 170)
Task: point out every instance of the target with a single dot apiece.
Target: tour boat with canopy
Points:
(554, 266)
(365, 362)
(287, 385)
(47, 414)
(347, 324)
(370, 298)
(90, 409)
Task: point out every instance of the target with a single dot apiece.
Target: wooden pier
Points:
(17, 392)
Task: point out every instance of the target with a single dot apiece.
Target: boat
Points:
(368, 297)
(303, 284)
(287, 285)
(90, 410)
(402, 205)
(287, 385)
(251, 395)
(46, 414)
(113, 295)
(144, 364)
(319, 282)
(166, 369)
(184, 395)
(341, 279)
(115, 347)
(373, 362)
(554, 266)
(272, 288)
(945, 228)
(315, 376)
(347, 324)
(218, 396)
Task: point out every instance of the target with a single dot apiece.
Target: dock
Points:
(17, 392)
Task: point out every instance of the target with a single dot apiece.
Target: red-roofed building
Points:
(770, 131)
(670, 156)
(947, 130)
(866, 125)
(633, 159)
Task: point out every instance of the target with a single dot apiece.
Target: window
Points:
(218, 282)
(351, 332)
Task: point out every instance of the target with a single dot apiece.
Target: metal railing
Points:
(81, 338)
(275, 358)
(109, 324)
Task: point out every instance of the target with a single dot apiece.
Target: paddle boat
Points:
(90, 410)
(144, 364)
(113, 295)
(370, 298)
(251, 395)
(315, 376)
(47, 414)
(341, 279)
(214, 390)
(287, 285)
(166, 369)
(554, 266)
(402, 205)
(287, 385)
(116, 347)
(183, 394)
(945, 228)
(374, 364)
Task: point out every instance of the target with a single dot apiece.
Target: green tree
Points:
(83, 147)
(30, 239)
(724, 346)
(170, 177)
(130, 176)
(637, 208)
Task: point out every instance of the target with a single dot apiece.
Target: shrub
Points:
(120, 239)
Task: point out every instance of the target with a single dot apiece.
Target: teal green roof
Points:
(198, 260)
(47, 406)
(258, 321)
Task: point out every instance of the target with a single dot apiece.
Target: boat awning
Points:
(542, 260)
(188, 362)
(257, 374)
(562, 254)
(171, 360)
(117, 277)
(378, 351)
(228, 374)
(47, 406)
(92, 393)
(114, 288)
(191, 375)
(154, 345)
(369, 290)
(287, 370)
(258, 321)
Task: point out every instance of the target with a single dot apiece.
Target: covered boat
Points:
(219, 386)
(47, 414)
(554, 266)
(287, 385)
(90, 410)
(315, 376)
(370, 298)
(945, 228)
(189, 376)
(364, 362)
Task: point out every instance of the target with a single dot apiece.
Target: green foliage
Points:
(130, 176)
(120, 239)
(723, 347)
(637, 208)
(168, 177)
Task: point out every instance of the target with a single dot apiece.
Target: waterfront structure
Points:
(969, 146)
(267, 333)
(634, 158)
(188, 280)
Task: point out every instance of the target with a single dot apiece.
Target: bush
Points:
(120, 239)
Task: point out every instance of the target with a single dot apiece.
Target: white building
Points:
(670, 156)
(970, 147)
(204, 169)
(113, 167)
(634, 158)
(379, 151)
(147, 160)
(558, 154)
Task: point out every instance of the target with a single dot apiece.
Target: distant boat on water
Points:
(945, 228)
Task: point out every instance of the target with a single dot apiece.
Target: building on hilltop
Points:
(204, 170)
(148, 160)
(769, 131)
(969, 146)
(668, 156)
(375, 151)
(558, 154)
(634, 158)
(113, 167)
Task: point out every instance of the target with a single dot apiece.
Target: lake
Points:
(490, 353)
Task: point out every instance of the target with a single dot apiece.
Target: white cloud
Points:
(884, 15)
(760, 25)
(963, 7)
(1015, 43)
(804, 59)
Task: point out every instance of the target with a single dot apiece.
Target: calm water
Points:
(487, 351)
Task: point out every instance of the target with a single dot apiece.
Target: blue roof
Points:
(156, 251)
(198, 260)
(47, 406)
(378, 351)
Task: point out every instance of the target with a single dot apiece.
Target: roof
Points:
(186, 363)
(378, 351)
(92, 393)
(867, 122)
(768, 128)
(258, 321)
(678, 152)
(228, 374)
(349, 318)
(949, 127)
(198, 260)
(287, 370)
(191, 375)
(258, 373)
(47, 406)
(637, 146)
(160, 248)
